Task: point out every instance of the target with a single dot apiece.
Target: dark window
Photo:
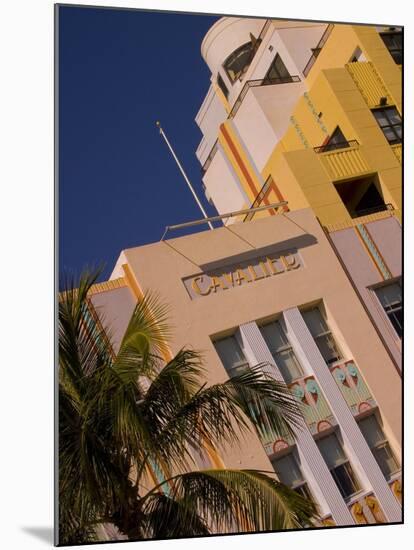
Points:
(289, 473)
(336, 141)
(231, 356)
(282, 351)
(389, 121)
(222, 86)
(322, 335)
(378, 444)
(277, 72)
(238, 62)
(393, 41)
(361, 196)
(338, 465)
(391, 300)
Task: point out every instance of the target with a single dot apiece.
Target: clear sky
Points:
(119, 72)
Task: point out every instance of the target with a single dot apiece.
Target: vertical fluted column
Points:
(343, 414)
(257, 351)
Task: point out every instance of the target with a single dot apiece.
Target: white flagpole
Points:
(183, 173)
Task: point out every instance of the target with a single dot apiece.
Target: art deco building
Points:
(306, 115)
(311, 113)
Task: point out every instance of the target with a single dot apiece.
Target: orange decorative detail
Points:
(328, 522)
(376, 511)
(324, 425)
(358, 513)
(396, 488)
(279, 445)
(364, 406)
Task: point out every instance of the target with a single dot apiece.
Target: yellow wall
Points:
(340, 95)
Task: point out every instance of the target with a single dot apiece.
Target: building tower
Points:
(310, 114)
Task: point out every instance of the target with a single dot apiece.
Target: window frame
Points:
(395, 52)
(384, 443)
(232, 370)
(233, 56)
(303, 483)
(376, 290)
(279, 79)
(346, 464)
(287, 347)
(325, 334)
(390, 126)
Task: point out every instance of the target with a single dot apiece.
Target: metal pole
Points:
(183, 173)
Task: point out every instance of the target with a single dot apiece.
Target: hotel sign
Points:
(242, 274)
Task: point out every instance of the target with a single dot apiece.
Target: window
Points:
(393, 41)
(222, 86)
(361, 196)
(389, 121)
(322, 335)
(378, 444)
(289, 473)
(238, 62)
(231, 355)
(281, 350)
(338, 465)
(391, 300)
(336, 141)
(277, 72)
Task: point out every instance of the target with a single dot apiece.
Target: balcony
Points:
(317, 50)
(344, 161)
(369, 83)
(353, 387)
(315, 409)
(260, 82)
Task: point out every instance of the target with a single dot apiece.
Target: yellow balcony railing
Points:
(344, 163)
(369, 83)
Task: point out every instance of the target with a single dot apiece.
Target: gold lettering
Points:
(216, 283)
(197, 289)
(273, 268)
(264, 269)
(241, 276)
(254, 274)
(292, 264)
(229, 278)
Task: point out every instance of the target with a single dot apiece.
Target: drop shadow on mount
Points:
(44, 534)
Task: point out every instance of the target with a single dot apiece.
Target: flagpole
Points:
(183, 173)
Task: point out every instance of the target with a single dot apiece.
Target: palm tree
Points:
(129, 424)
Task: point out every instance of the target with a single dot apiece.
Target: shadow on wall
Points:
(293, 244)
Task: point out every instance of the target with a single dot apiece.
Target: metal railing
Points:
(371, 210)
(236, 213)
(317, 50)
(338, 145)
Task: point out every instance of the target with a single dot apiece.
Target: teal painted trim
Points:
(315, 113)
(374, 251)
(301, 135)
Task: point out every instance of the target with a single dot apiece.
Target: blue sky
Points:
(119, 72)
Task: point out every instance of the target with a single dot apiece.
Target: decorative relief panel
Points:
(353, 387)
(315, 409)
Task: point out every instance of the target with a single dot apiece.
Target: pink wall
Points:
(386, 234)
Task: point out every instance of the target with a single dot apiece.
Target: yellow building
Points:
(310, 113)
